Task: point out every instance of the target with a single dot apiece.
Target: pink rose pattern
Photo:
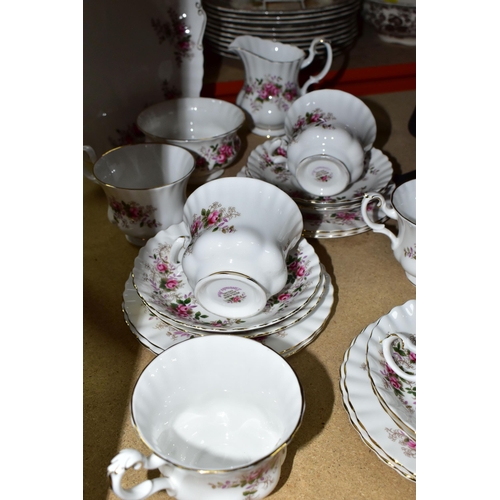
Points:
(167, 279)
(271, 88)
(214, 218)
(221, 154)
(127, 214)
(252, 481)
(404, 390)
(316, 118)
(298, 267)
(408, 445)
(323, 175)
(278, 169)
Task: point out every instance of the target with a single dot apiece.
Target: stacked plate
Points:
(381, 406)
(324, 217)
(285, 22)
(160, 307)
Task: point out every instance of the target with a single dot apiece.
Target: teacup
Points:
(214, 431)
(403, 210)
(237, 235)
(407, 349)
(325, 160)
(145, 185)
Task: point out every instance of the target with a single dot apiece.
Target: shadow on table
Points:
(319, 406)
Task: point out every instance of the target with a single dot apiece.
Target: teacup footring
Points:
(230, 295)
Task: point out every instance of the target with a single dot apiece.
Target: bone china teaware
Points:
(145, 185)
(237, 234)
(403, 210)
(325, 161)
(271, 79)
(218, 413)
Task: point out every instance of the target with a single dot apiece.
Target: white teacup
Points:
(406, 344)
(237, 235)
(214, 431)
(403, 210)
(325, 160)
(145, 185)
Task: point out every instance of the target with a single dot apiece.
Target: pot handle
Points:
(389, 211)
(93, 158)
(312, 54)
(128, 458)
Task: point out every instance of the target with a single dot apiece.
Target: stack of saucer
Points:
(326, 163)
(163, 304)
(335, 216)
(380, 404)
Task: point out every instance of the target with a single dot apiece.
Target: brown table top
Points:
(327, 460)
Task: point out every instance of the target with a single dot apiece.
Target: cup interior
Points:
(404, 200)
(217, 402)
(190, 119)
(144, 166)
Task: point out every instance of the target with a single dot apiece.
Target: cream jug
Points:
(271, 79)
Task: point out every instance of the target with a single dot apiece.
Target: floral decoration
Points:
(127, 214)
(270, 87)
(408, 445)
(177, 32)
(252, 481)
(317, 118)
(411, 252)
(322, 175)
(220, 154)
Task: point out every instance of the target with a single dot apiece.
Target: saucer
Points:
(157, 336)
(256, 333)
(260, 165)
(397, 396)
(375, 426)
(163, 286)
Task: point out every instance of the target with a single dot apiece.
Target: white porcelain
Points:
(207, 127)
(285, 22)
(325, 161)
(163, 286)
(144, 318)
(330, 109)
(375, 426)
(402, 208)
(298, 333)
(145, 185)
(236, 237)
(211, 433)
(142, 53)
(272, 79)
(397, 395)
(268, 163)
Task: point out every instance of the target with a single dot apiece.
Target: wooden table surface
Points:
(327, 460)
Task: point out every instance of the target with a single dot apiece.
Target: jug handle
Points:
(128, 458)
(93, 158)
(312, 54)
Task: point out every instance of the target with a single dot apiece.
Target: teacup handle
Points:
(386, 349)
(312, 54)
(93, 158)
(180, 244)
(279, 142)
(389, 211)
(128, 458)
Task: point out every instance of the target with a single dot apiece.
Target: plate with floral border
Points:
(163, 286)
(266, 163)
(301, 314)
(288, 342)
(397, 396)
(141, 54)
(376, 428)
